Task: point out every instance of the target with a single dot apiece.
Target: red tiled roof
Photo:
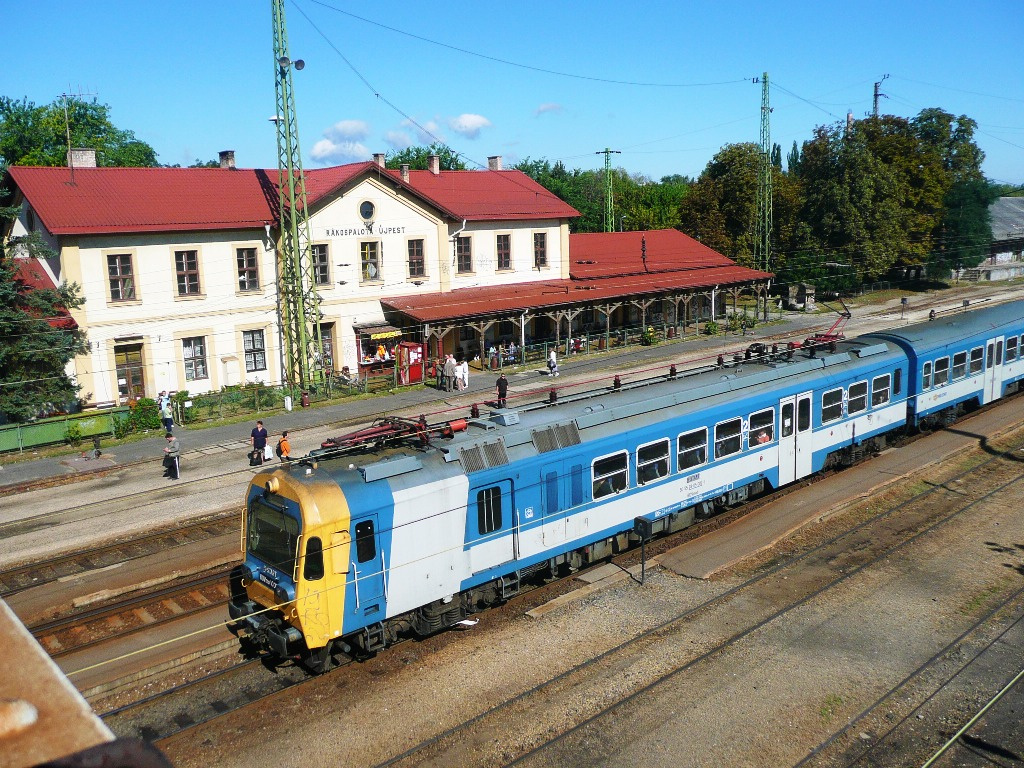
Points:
(622, 253)
(144, 199)
(105, 200)
(31, 274)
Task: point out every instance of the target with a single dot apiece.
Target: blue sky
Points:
(667, 84)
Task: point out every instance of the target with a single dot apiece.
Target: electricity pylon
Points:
(298, 300)
(609, 201)
(763, 239)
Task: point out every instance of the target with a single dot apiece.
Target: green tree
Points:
(37, 135)
(417, 158)
(34, 352)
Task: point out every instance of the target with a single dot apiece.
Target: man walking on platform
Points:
(172, 454)
(502, 389)
(258, 441)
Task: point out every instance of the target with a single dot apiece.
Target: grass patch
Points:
(830, 707)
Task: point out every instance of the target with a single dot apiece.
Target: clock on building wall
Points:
(366, 210)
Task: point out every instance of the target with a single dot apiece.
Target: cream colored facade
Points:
(197, 329)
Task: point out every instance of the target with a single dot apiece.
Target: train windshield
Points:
(272, 536)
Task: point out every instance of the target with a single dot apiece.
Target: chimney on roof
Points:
(405, 172)
(227, 158)
(494, 163)
(81, 158)
(434, 164)
(378, 158)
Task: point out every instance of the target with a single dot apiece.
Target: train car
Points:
(961, 361)
(408, 528)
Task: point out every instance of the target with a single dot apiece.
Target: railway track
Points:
(38, 573)
(597, 721)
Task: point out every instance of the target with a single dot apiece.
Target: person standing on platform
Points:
(284, 448)
(258, 441)
(166, 415)
(463, 374)
(553, 364)
(172, 456)
(449, 373)
(502, 389)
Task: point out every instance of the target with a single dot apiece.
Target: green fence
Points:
(18, 437)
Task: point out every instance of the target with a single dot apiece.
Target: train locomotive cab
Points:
(279, 599)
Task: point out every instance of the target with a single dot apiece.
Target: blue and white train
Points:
(408, 529)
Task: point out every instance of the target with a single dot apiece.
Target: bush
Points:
(145, 415)
(711, 328)
(73, 434)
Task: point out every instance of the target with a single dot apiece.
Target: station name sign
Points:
(369, 228)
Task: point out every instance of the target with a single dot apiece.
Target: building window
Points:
(417, 268)
(369, 260)
(831, 406)
(651, 462)
(255, 351)
(540, 249)
(464, 254)
(186, 265)
(504, 251)
(194, 354)
(122, 281)
(248, 270)
(488, 510)
(610, 475)
(321, 266)
(693, 449)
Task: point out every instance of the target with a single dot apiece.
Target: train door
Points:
(993, 370)
(493, 526)
(553, 527)
(366, 587)
(795, 446)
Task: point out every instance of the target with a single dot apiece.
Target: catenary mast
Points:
(298, 300)
(763, 237)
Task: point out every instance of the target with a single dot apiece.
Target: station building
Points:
(179, 268)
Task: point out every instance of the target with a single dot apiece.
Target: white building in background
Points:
(178, 266)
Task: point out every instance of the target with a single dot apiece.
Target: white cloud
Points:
(398, 140)
(348, 130)
(327, 151)
(426, 133)
(469, 125)
(547, 107)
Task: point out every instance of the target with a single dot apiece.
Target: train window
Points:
(803, 414)
(576, 484)
(1011, 349)
(550, 494)
(693, 449)
(610, 475)
(941, 371)
(488, 508)
(366, 545)
(959, 365)
(787, 420)
(831, 406)
(858, 397)
(727, 437)
(897, 381)
(651, 462)
(999, 352)
(926, 376)
(762, 427)
(977, 360)
(273, 536)
(880, 389)
(313, 568)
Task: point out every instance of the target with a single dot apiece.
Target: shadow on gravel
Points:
(983, 443)
(985, 750)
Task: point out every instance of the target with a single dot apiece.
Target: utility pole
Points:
(763, 239)
(609, 204)
(298, 300)
(878, 94)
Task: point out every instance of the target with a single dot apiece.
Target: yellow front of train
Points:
(288, 595)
